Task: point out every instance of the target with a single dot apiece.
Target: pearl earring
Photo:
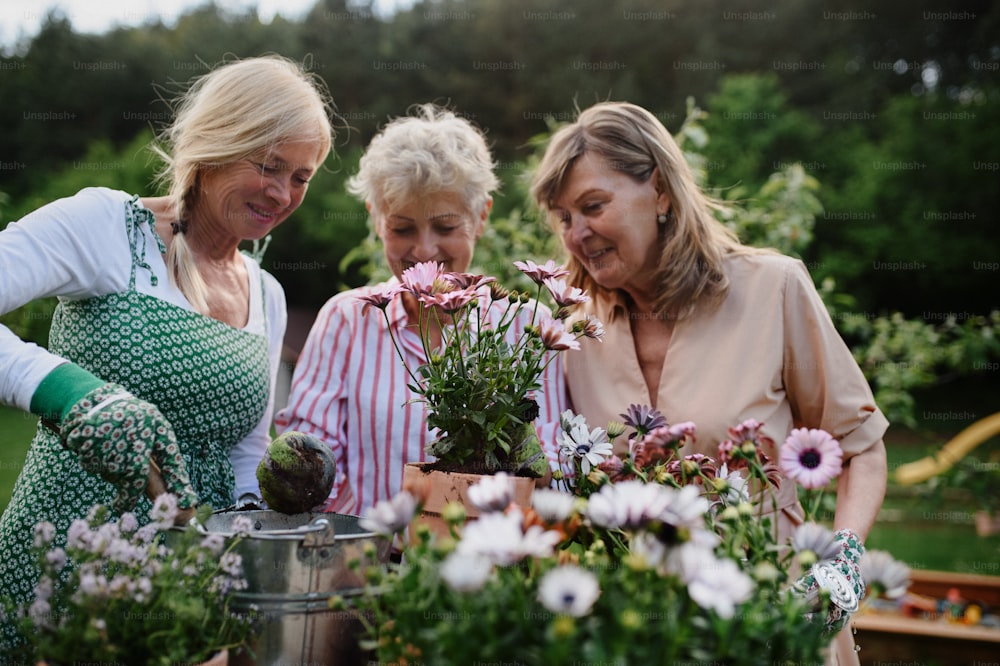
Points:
(662, 218)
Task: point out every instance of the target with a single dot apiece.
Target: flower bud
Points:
(766, 572)
(615, 429)
(597, 477)
(635, 562)
(729, 515)
(563, 626)
(498, 292)
(807, 558)
(745, 509)
(631, 619)
(453, 513)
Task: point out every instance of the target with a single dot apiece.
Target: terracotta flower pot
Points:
(444, 487)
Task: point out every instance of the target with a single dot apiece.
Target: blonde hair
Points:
(633, 141)
(238, 109)
(433, 150)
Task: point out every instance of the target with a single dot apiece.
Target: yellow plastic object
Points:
(950, 453)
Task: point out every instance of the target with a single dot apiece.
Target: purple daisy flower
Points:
(810, 457)
(643, 418)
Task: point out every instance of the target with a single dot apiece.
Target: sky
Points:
(18, 19)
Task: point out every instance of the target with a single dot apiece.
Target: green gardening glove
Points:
(116, 435)
(840, 578)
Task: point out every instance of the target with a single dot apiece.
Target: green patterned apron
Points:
(210, 380)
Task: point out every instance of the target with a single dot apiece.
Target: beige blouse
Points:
(768, 352)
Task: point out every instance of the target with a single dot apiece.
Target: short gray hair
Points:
(432, 150)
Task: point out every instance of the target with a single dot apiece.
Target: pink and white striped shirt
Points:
(350, 389)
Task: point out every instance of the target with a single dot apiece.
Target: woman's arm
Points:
(828, 390)
(74, 247)
(246, 456)
(317, 402)
(860, 490)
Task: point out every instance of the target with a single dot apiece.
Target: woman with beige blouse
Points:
(699, 326)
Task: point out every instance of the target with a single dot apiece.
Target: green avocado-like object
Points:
(529, 458)
(296, 473)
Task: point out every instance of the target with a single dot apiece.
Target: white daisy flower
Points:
(389, 516)
(590, 446)
(885, 575)
(553, 506)
(466, 573)
(493, 493)
(713, 584)
(570, 590)
(629, 504)
(817, 539)
(737, 486)
(501, 539)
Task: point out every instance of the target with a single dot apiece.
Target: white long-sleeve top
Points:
(350, 389)
(77, 248)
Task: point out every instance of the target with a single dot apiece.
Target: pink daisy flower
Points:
(555, 336)
(563, 294)
(449, 301)
(541, 273)
(468, 280)
(593, 329)
(420, 278)
(810, 457)
(379, 299)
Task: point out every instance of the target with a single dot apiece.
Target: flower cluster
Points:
(478, 384)
(121, 593)
(654, 558)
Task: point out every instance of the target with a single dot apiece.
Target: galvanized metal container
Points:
(293, 565)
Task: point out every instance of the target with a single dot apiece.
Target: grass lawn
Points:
(924, 530)
(16, 430)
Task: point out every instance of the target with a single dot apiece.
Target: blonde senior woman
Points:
(166, 339)
(699, 326)
(426, 180)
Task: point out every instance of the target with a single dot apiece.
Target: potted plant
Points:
(120, 593)
(654, 559)
(478, 384)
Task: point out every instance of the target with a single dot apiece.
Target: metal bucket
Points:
(293, 565)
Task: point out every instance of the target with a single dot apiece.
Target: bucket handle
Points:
(317, 533)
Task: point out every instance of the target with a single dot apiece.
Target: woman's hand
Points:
(840, 578)
(125, 441)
